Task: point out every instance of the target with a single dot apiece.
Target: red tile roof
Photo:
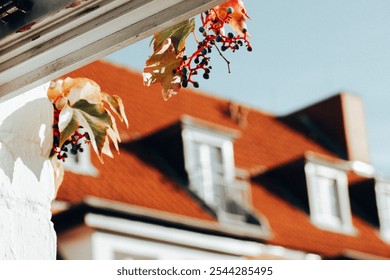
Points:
(265, 143)
(128, 179)
(292, 228)
(264, 140)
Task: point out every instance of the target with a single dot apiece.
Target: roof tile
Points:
(265, 143)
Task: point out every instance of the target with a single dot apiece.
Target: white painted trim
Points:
(64, 42)
(382, 191)
(241, 231)
(106, 246)
(362, 168)
(344, 223)
(222, 245)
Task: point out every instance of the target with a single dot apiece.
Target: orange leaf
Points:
(237, 19)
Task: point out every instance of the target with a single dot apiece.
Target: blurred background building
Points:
(200, 177)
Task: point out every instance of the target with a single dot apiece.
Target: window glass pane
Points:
(329, 205)
(386, 210)
(217, 172)
(211, 182)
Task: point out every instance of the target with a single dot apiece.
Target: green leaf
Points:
(82, 104)
(94, 110)
(95, 120)
(97, 131)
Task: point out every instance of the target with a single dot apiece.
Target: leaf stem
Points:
(221, 54)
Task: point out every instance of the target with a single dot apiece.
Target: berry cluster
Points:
(72, 145)
(213, 35)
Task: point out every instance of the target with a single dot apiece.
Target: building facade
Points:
(200, 177)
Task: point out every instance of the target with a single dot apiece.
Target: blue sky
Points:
(304, 51)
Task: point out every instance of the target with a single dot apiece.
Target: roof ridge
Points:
(192, 91)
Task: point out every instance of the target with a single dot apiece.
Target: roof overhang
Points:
(56, 37)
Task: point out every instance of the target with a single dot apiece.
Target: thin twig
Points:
(227, 61)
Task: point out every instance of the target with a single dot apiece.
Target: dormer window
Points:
(328, 197)
(383, 201)
(209, 174)
(209, 162)
(80, 163)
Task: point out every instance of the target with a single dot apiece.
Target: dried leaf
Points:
(160, 68)
(177, 33)
(116, 105)
(237, 20)
(168, 46)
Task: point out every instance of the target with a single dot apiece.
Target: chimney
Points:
(238, 114)
(336, 123)
(355, 129)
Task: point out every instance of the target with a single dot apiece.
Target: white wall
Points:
(26, 177)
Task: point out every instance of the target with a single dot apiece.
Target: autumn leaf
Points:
(237, 19)
(177, 33)
(168, 46)
(116, 105)
(160, 67)
(95, 120)
(81, 105)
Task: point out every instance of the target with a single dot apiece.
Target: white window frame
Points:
(241, 190)
(382, 191)
(208, 139)
(81, 162)
(342, 223)
(107, 246)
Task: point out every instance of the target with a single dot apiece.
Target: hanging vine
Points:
(169, 64)
(85, 114)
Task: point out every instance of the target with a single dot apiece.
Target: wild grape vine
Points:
(74, 142)
(212, 31)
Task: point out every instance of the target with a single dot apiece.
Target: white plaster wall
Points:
(26, 177)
